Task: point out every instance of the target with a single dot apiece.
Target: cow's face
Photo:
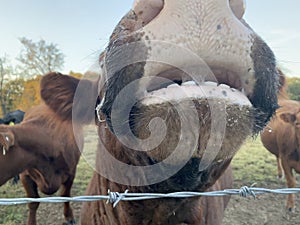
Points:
(293, 118)
(10, 154)
(7, 139)
(198, 67)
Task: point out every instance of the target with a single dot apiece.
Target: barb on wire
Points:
(246, 191)
(116, 197)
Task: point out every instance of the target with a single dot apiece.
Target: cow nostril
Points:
(179, 82)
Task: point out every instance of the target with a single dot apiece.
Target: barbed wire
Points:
(116, 197)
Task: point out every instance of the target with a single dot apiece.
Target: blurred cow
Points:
(281, 137)
(44, 148)
(13, 117)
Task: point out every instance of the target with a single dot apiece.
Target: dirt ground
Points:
(266, 209)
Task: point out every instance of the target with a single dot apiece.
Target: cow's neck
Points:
(159, 211)
(150, 212)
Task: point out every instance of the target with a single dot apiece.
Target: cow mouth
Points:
(180, 99)
(177, 85)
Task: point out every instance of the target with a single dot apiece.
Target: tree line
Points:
(293, 88)
(19, 84)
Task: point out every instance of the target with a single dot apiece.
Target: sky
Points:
(81, 28)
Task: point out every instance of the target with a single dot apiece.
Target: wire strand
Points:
(116, 197)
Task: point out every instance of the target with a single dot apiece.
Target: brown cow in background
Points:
(281, 137)
(43, 148)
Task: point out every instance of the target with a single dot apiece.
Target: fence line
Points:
(116, 197)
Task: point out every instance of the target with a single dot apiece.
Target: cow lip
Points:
(216, 83)
(217, 75)
(191, 90)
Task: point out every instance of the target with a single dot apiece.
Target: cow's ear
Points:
(288, 117)
(7, 140)
(69, 97)
(57, 91)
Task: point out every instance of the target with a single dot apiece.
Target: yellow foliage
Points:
(76, 75)
(31, 94)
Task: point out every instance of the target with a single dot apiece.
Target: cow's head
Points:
(200, 68)
(7, 140)
(293, 118)
(18, 145)
(24, 147)
(12, 156)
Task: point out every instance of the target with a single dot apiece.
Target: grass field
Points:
(252, 164)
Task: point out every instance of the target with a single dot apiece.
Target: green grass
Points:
(252, 164)
(12, 215)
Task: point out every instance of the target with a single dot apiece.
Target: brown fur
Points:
(208, 211)
(213, 207)
(282, 94)
(70, 98)
(198, 211)
(281, 137)
(43, 147)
